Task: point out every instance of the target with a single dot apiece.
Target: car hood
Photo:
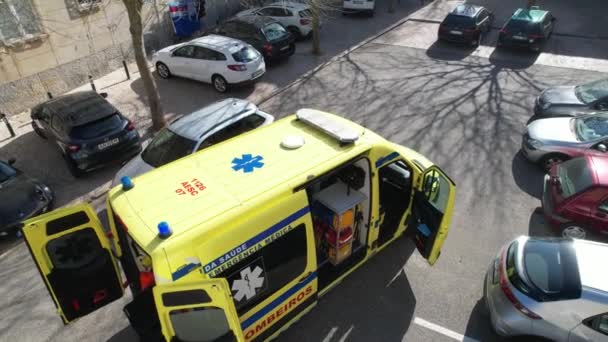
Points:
(553, 129)
(560, 95)
(18, 199)
(246, 12)
(133, 168)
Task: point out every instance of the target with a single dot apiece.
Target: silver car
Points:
(192, 132)
(551, 288)
(551, 141)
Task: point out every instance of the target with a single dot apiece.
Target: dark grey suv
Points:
(88, 130)
(572, 100)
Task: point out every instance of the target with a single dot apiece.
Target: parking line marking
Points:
(444, 331)
(330, 334)
(346, 334)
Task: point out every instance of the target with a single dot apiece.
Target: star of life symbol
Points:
(249, 282)
(247, 163)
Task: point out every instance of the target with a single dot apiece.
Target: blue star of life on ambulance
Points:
(247, 163)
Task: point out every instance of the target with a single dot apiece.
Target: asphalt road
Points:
(465, 113)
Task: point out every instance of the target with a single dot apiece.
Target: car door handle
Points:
(304, 277)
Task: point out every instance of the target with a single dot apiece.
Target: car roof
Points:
(531, 15)
(80, 107)
(599, 164)
(218, 42)
(257, 20)
(288, 4)
(591, 257)
(198, 123)
(466, 10)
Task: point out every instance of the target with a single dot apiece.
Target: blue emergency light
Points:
(127, 183)
(164, 231)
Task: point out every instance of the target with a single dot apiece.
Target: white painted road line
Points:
(330, 334)
(444, 331)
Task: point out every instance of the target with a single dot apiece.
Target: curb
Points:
(318, 68)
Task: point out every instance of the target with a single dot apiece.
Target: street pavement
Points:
(463, 110)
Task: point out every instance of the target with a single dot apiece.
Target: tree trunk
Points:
(316, 39)
(136, 29)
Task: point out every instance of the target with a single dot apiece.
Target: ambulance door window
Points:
(395, 192)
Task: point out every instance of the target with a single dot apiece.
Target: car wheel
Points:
(38, 130)
(74, 170)
(552, 159)
(573, 230)
(295, 32)
(219, 84)
(163, 70)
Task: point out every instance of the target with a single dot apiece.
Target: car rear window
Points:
(574, 176)
(245, 55)
(458, 20)
(97, 128)
(166, 147)
(552, 269)
(515, 26)
(305, 13)
(274, 31)
(6, 172)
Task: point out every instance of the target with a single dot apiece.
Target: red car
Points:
(575, 196)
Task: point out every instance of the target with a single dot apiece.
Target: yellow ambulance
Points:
(238, 241)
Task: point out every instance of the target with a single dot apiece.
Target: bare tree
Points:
(136, 28)
(316, 7)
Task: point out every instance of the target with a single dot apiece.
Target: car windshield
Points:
(593, 91)
(458, 20)
(515, 26)
(97, 128)
(574, 176)
(6, 172)
(245, 55)
(166, 147)
(552, 268)
(274, 31)
(591, 127)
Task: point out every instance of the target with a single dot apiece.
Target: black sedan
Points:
(88, 130)
(21, 197)
(466, 24)
(572, 100)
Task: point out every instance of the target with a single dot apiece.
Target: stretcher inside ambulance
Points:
(238, 241)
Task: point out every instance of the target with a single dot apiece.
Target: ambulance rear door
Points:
(198, 311)
(75, 260)
(433, 205)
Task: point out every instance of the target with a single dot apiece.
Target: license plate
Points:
(285, 47)
(358, 2)
(459, 33)
(520, 37)
(108, 143)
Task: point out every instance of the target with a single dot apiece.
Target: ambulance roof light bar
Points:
(321, 121)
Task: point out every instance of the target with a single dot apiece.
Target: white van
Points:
(367, 6)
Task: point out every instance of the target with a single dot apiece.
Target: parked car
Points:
(195, 131)
(361, 6)
(551, 141)
(295, 17)
(466, 24)
(21, 197)
(224, 62)
(265, 34)
(556, 289)
(527, 28)
(572, 100)
(575, 197)
(88, 130)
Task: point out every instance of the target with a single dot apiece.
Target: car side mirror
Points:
(11, 161)
(104, 95)
(602, 148)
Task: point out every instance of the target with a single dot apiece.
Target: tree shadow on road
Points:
(375, 302)
(449, 51)
(513, 59)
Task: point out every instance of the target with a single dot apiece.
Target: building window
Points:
(18, 21)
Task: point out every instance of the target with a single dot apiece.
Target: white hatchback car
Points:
(296, 17)
(367, 6)
(214, 59)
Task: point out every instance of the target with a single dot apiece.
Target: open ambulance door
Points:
(75, 260)
(432, 208)
(198, 311)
